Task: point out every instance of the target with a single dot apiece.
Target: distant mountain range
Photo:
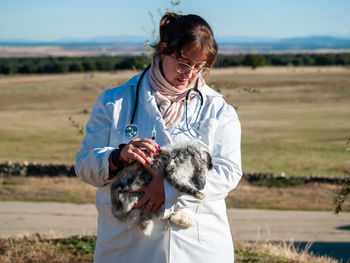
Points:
(101, 40)
(135, 44)
(310, 43)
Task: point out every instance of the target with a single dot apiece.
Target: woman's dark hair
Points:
(185, 31)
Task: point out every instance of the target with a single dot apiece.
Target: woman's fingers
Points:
(154, 195)
(139, 150)
(142, 201)
(156, 207)
(148, 207)
(136, 191)
(145, 143)
(146, 201)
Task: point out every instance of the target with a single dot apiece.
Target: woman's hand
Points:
(154, 194)
(139, 150)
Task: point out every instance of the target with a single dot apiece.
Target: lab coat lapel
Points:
(149, 114)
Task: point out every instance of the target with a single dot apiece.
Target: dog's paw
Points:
(199, 196)
(181, 219)
(146, 227)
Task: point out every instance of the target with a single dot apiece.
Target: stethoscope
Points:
(132, 130)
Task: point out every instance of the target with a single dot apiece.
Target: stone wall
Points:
(32, 169)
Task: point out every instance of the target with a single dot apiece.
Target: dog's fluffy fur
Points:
(185, 168)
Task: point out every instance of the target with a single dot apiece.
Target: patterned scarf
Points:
(171, 101)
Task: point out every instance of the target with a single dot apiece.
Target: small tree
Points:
(254, 60)
(343, 193)
(154, 32)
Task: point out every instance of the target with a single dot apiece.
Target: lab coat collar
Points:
(148, 102)
(207, 91)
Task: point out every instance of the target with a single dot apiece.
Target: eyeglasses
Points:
(185, 68)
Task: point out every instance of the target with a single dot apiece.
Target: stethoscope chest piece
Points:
(131, 131)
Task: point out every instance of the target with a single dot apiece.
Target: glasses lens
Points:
(197, 69)
(183, 68)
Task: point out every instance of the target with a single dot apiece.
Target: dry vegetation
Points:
(270, 252)
(312, 196)
(294, 120)
(52, 248)
(58, 189)
(47, 249)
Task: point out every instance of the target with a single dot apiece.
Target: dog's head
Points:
(206, 157)
(204, 164)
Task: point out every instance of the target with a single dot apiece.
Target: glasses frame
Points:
(187, 67)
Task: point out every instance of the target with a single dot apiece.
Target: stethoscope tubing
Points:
(187, 98)
(137, 93)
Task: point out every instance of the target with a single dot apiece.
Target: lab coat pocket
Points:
(209, 222)
(111, 231)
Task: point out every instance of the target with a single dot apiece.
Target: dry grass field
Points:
(311, 196)
(294, 120)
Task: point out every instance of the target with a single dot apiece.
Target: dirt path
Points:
(246, 224)
(261, 225)
(329, 233)
(29, 218)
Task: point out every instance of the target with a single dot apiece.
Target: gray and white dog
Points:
(184, 167)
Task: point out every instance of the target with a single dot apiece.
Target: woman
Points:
(185, 52)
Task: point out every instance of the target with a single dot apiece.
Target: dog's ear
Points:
(209, 161)
(206, 158)
(199, 179)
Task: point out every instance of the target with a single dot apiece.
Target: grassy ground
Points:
(310, 196)
(46, 249)
(36, 111)
(294, 120)
(59, 189)
(72, 190)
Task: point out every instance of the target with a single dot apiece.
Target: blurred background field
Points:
(311, 196)
(295, 120)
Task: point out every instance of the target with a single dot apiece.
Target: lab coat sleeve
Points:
(91, 164)
(226, 157)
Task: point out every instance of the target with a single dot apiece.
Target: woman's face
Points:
(192, 57)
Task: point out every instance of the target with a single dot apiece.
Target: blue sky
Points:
(49, 20)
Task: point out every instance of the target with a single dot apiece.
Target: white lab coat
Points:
(217, 128)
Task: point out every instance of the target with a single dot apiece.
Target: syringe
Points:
(154, 135)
